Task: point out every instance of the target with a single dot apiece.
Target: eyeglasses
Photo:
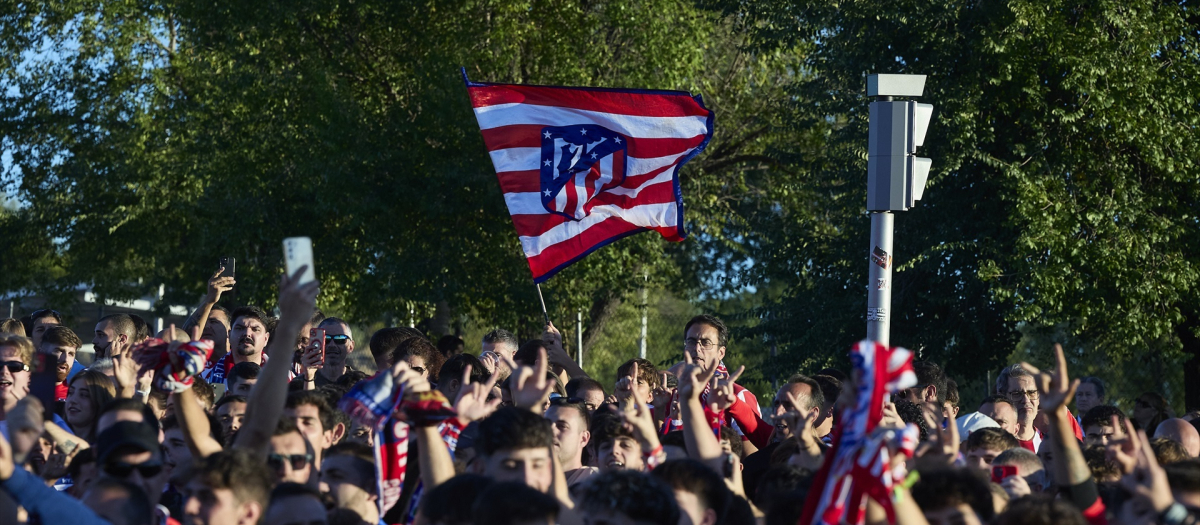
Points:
(45, 312)
(418, 369)
(15, 366)
(122, 470)
(1019, 395)
(339, 339)
(692, 342)
(297, 461)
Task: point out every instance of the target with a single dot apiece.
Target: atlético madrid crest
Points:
(579, 163)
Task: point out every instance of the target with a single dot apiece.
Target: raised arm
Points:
(216, 286)
(265, 403)
(552, 338)
(197, 431)
(702, 444)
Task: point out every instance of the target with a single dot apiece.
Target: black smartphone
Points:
(229, 264)
(42, 381)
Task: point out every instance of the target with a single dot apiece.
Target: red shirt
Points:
(60, 391)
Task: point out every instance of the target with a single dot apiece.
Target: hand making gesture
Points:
(472, 403)
(529, 387)
(722, 396)
(1055, 387)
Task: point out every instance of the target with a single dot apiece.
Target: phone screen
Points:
(297, 252)
(42, 381)
(1003, 471)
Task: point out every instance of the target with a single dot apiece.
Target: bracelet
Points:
(652, 458)
(313, 380)
(910, 480)
(1173, 515)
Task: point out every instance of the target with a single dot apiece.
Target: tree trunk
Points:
(603, 307)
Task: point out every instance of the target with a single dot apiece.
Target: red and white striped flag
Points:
(583, 167)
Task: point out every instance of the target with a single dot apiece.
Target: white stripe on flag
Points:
(529, 159)
(633, 126)
(646, 215)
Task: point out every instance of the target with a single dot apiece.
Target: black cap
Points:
(126, 436)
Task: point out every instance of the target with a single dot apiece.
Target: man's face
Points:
(1086, 398)
(982, 457)
(249, 337)
(1003, 414)
(308, 418)
(296, 510)
(178, 453)
(531, 466)
(241, 386)
(1023, 394)
(337, 352)
(203, 505)
(592, 398)
(702, 343)
(14, 386)
(570, 434)
(105, 338)
(782, 405)
(417, 363)
(149, 473)
(65, 355)
(230, 415)
(1101, 435)
(39, 329)
(289, 467)
(622, 452)
(361, 433)
(341, 477)
(216, 329)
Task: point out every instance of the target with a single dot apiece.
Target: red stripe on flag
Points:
(529, 136)
(622, 103)
(530, 225)
(565, 251)
(530, 181)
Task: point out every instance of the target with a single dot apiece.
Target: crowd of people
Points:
(240, 417)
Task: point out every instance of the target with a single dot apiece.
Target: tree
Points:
(1064, 188)
(155, 137)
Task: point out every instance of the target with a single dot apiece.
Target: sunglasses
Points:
(46, 312)
(559, 401)
(15, 366)
(122, 470)
(297, 461)
(417, 369)
(339, 339)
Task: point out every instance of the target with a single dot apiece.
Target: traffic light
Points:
(895, 175)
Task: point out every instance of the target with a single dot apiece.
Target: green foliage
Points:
(1064, 186)
(153, 138)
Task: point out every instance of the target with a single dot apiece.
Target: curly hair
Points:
(639, 497)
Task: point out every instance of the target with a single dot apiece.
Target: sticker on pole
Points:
(881, 284)
(881, 258)
(877, 314)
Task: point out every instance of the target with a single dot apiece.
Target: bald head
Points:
(1181, 432)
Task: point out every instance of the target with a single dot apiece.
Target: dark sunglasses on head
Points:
(46, 312)
(297, 461)
(122, 470)
(339, 339)
(15, 366)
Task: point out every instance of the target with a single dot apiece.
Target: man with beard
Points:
(339, 343)
(249, 337)
(497, 346)
(62, 343)
(571, 437)
(114, 335)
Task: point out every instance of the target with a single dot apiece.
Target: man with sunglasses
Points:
(130, 451)
(291, 456)
(339, 343)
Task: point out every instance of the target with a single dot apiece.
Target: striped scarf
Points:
(856, 467)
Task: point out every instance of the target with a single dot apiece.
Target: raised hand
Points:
(637, 417)
(943, 442)
(1147, 481)
(692, 379)
(218, 285)
(409, 380)
(809, 456)
(723, 396)
(1056, 387)
(1016, 486)
(891, 418)
(529, 386)
(627, 386)
(489, 361)
(311, 360)
(297, 300)
(472, 402)
(552, 338)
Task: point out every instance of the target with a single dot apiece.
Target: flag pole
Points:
(543, 301)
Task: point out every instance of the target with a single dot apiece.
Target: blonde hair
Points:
(24, 346)
(12, 326)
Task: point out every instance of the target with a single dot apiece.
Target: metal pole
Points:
(879, 292)
(642, 339)
(579, 338)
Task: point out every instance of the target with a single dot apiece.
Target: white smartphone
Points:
(297, 252)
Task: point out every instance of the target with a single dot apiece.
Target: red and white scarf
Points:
(856, 467)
